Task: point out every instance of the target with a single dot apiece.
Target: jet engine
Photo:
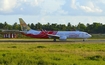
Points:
(63, 38)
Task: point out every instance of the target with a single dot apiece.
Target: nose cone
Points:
(89, 35)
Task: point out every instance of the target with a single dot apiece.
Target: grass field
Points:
(52, 53)
(98, 36)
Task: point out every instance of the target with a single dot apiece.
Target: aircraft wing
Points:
(53, 36)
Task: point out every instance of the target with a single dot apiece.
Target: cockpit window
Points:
(86, 34)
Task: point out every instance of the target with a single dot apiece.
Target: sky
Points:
(52, 11)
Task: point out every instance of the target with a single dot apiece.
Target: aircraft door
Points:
(82, 35)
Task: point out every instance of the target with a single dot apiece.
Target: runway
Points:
(51, 40)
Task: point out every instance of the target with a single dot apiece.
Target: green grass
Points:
(52, 53)
(98, 36)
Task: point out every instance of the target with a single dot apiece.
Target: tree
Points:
(81, 27)
(39, 26)
(54, 26)
(63, 27)
(90, 28)
(97, 27)
(32, 26)
(46, 26)
(5, 25)
(68, 26)
(15, 26)
(1, 26)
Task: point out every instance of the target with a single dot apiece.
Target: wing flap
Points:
(53, 36)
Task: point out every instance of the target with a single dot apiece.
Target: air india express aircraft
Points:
(61, 35)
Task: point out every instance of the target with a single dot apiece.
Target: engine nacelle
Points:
(63, 38)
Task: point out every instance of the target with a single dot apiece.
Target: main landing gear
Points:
(54, 40)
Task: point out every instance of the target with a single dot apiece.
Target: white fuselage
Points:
(74, 34)
(62, 35)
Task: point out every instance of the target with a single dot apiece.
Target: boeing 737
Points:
(61, 35)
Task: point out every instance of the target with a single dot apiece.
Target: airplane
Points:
(61, 35)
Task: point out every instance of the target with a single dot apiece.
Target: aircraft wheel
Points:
(83, 39)
(54, 40)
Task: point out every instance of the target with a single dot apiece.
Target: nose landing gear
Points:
(54, 39)
(84, 40)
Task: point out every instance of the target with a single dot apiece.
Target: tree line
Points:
(90, 28)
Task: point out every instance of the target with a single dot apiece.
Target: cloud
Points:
(73, 4)
(6, 6)
(52, 6)
(32, 7)
(35, 2)
(90, 7)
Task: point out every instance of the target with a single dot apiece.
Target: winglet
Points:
(24, 26)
